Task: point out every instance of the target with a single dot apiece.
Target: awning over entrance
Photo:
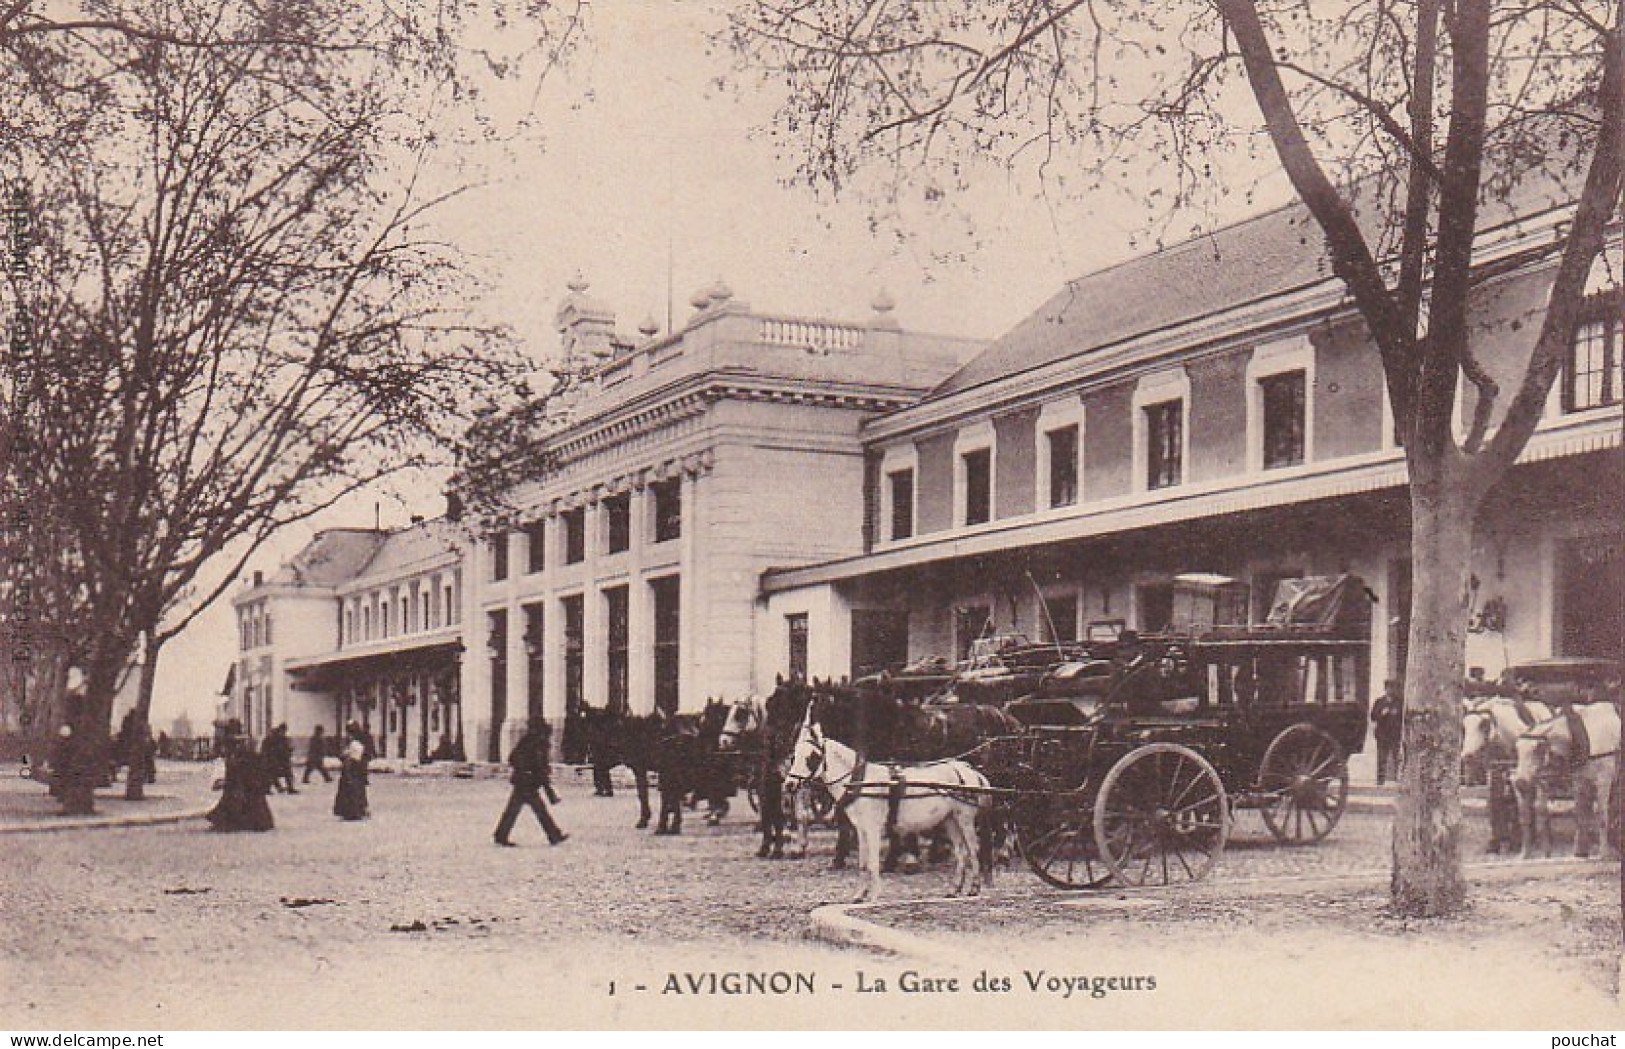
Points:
(334, 670)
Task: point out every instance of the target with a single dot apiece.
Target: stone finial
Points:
(883, 305)
(720, 292)
(650, 327)
(701, 299)
(577, 284)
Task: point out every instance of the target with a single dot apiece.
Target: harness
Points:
(852, 785)
(1579, 734)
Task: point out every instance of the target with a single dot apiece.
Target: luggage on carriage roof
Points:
(1339, 604)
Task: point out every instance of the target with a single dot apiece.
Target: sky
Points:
(650, 182)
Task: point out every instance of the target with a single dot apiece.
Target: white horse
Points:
(1490, 727)
(1584, 744)
(927, 801)
(1494, 724)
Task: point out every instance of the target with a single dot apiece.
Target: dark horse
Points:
(633, 740)
(689, 758)
(770, 742)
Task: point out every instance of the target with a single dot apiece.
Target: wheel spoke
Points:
(1196, 779)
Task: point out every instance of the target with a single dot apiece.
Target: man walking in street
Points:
(532, 772)
(1388, 717)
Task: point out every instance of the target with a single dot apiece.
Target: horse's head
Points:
(807, 756)
(1543, 749)
(1477, 731)
(744, 717)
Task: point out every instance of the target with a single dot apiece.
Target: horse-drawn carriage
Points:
(1132, 767)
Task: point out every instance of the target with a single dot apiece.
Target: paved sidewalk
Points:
(926, 928)
(183, 792)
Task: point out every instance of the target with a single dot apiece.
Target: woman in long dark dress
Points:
(242, 804)
(350, 803)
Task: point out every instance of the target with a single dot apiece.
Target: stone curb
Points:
(836, 923)
(839, 924)
(61, 823)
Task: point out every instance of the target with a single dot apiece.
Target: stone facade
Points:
(1252, 439)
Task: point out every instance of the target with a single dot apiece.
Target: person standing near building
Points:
(531, 773)
(1388, 719)
(350, 802)
(316, 756)
(277, 753)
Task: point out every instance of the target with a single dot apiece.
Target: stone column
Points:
(689, 697)
(595, 636)
(518, 674)
(640, 607)
(553, 629)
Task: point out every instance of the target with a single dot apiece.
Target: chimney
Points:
(586, 327)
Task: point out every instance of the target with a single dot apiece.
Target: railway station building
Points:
(683, 466)
(754, 494)
(1216, 407)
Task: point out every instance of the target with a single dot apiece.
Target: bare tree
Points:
(1398, 122)
(235, 312)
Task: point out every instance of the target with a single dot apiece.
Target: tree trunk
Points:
(135, 780)
(91, 717)
(1427, 876)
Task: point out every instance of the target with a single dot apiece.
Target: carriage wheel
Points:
(1052, 832)
(1161, 816)
(1304, 779)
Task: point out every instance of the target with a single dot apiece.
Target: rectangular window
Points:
(617, 523)
(1592, 376)
(1063, 466)
(617, 613)
(499, 556)
(575, 536)
(902, 503)
(1283, 402)
(1165, 444)
(535, 546)
(668, 622)
(575, 642)
(796, 625)
(668, 509)
(534, 641)
(978, 468)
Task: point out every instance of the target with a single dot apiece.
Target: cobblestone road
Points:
(414, 917)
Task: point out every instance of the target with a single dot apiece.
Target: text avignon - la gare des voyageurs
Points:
(907, 981)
